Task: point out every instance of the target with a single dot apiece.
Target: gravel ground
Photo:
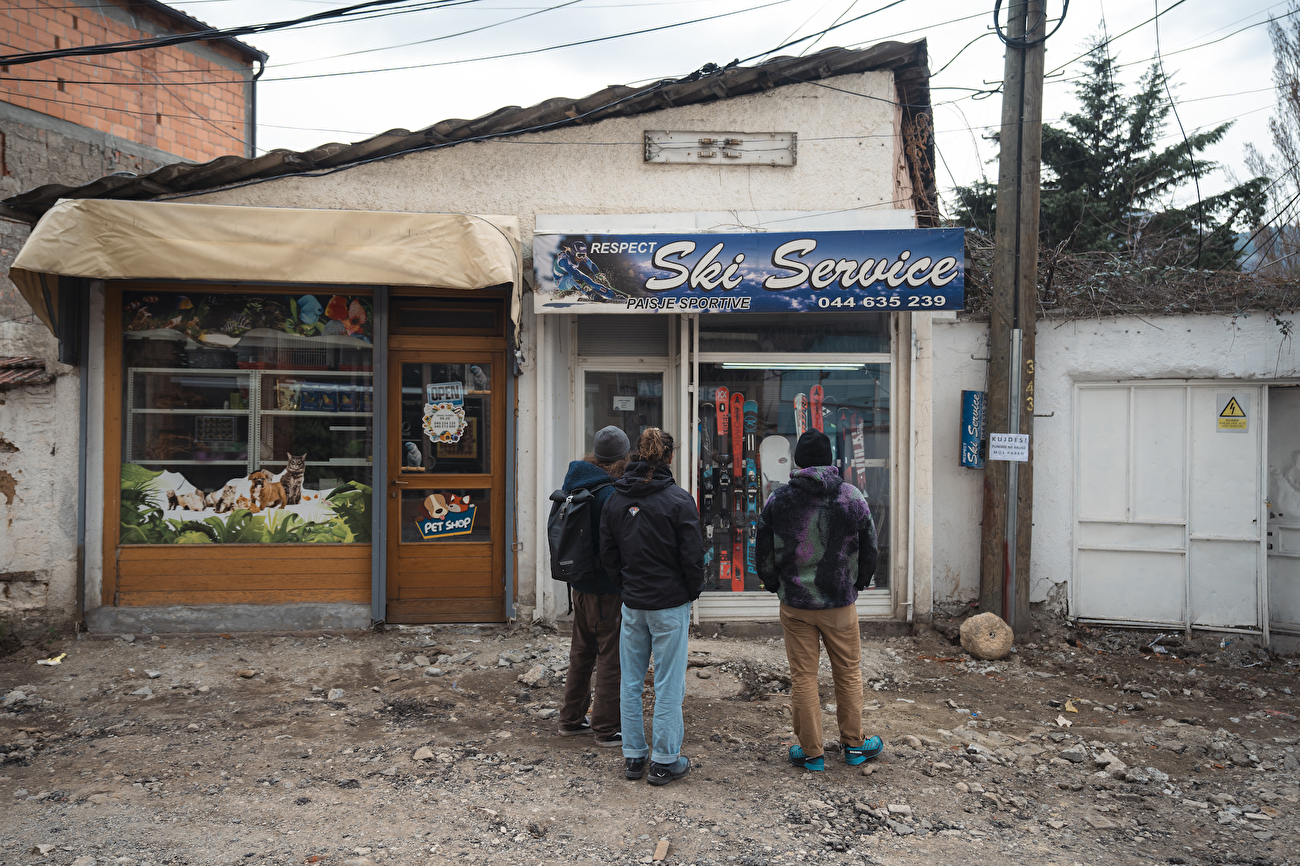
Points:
(438, 745)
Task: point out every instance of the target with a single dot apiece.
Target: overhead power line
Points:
(523, 53)
(214, 32)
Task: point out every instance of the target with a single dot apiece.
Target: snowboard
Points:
(774, 463)
(737, 495)
(858, 452)
(842, 441)
(751, 494)
(722, 540)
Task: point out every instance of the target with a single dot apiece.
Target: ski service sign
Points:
(778, 272)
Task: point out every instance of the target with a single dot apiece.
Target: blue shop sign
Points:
(781, 272)
(974, 414)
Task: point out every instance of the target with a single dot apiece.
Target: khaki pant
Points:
(837, 628)
(596, 623)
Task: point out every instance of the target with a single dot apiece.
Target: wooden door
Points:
(446, 497)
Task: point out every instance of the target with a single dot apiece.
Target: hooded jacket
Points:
(584, 474)
(650, 539)
(816, 541)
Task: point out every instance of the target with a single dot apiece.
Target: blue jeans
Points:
(662, 633)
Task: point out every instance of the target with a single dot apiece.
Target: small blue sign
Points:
(453, 524)
(974, 414)
(877, 270)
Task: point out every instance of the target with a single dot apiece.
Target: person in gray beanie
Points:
(597, 606)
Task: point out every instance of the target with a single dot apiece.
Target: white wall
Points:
(38, 500)
(849, 147)
(1249, 348)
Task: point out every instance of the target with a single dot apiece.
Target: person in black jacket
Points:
(651, 545)
(597, 606)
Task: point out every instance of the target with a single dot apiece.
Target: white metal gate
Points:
(1168, 505)
(1284, 510)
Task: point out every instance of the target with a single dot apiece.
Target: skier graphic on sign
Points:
(575, 273)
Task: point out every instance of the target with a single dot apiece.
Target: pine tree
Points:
(1276, 241)
(1108, 184)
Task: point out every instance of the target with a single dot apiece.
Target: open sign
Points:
(453, 524)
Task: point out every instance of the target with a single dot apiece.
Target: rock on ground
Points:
(986, 636)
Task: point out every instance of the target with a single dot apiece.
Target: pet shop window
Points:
(763, 381)
(246, 417)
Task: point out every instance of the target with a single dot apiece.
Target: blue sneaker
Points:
(799, 759)
(871, 748)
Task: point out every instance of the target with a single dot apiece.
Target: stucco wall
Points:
(846, 161)
(1191, 347)
(38, 496)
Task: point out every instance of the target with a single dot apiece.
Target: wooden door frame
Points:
(456, 350)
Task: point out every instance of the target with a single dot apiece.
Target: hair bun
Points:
(655, 446)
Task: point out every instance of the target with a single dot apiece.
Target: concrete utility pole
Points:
(1008, 485)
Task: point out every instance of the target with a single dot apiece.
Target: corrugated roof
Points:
(908, 61)
(22, 370)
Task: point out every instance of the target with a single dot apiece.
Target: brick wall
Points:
(145, 109)
(187, 100)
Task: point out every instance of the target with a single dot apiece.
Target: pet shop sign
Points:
(450, 515)
(878, 270)
(444, 412)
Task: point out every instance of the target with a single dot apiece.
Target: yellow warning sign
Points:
(1232, 417)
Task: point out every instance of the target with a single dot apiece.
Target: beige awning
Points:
(125, 240)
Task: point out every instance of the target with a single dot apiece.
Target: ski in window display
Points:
(749, 421)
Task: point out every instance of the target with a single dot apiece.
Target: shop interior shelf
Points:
(143, 462)
(338, 373)
(297, 413)
(259, 434)
(334, 461)
(189, 411)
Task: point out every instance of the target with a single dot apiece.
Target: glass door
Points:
(446, 498)
(630, 401)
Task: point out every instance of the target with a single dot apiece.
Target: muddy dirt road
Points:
(438, 745)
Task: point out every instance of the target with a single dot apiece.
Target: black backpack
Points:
(569, 531)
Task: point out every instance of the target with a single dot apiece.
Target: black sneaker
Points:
(633, 768)
(575, 730)
(614, 739)
(662, 774)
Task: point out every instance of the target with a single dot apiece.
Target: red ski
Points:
(737, 498)
(815, 406)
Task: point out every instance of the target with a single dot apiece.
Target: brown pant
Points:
(597, 620)
(838, 630)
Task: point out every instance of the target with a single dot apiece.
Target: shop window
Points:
(246, 417)
(850, 402)
(459, 393)
(864, 333)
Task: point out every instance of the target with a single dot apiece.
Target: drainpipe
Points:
(541, 352)
(252, 109)
(911, 477)
(83, 429)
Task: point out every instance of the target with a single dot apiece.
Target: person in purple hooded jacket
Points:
(816, 550)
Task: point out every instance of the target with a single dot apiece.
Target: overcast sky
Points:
(1228, 80)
